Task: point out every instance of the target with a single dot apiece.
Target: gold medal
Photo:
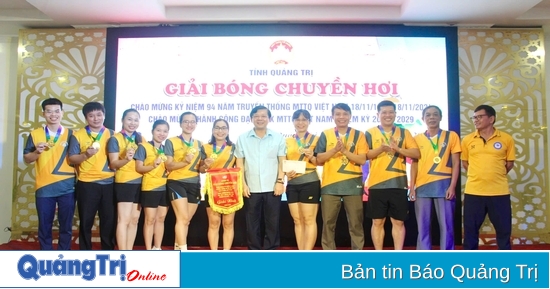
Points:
(51, 144)
(96, 145)
(131, 146)
(192, 150)
(437, 160)
(390, 155)
(301, 150)
(345, 160)
(213, 156)
(163, 157)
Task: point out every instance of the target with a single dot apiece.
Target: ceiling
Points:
(20, 14)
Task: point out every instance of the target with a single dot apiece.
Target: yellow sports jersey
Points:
(126, 174)
(95, 168)
(293, 153)
(388, 171)
(155, 179)
(433, 179)
(341, 176)
(178, 150)
(487, 175)
(54, 175)
(224, 159)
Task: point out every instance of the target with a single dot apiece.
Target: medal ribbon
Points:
(221, 148)
(345, 138)
(435, 145)
(384, 133)
(130, 139)
(160, 149)
(99, 134)
(298, 140)
(188, 144)
(57, 134)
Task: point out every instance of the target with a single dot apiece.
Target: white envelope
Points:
(298, 166)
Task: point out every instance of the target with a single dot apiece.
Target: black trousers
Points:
(499, 210)
(92, 198)
(269, 206)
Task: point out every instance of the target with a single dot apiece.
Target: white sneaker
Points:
(155, 248)
(180, 248)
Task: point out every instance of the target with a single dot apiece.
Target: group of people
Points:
(119, 173)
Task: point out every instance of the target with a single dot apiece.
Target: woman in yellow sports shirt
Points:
(219, 153)
(150, 159)
(303, 191)
(183, 185)
(122, 147)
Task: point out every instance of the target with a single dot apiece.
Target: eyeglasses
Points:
(221, 128)
(478, 117)
(191, 122)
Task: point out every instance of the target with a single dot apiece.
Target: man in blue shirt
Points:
(260, 153)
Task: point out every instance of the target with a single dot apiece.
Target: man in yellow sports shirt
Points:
(433, 180)
(94, 189)
(389, 146)
(47, 148)
(342, 151)
(488, 154)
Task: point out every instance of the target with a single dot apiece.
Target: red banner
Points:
(225, 190)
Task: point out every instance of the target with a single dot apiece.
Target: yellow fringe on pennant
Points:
(210, 190)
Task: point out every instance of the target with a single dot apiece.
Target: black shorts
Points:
(127, 193)
(190, 191)
(308, 193)
(388, 202)
(153, 199)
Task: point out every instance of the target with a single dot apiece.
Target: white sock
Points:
(183, 247)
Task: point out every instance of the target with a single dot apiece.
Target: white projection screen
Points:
(218, 71)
